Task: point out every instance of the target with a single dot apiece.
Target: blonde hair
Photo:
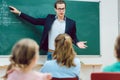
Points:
(64, 52)
(22, 53)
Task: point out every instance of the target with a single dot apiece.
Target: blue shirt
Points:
(58, 71)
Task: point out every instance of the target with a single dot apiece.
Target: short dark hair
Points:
(59, 2)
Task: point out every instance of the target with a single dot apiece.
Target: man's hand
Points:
(82, 44)
(14, 10)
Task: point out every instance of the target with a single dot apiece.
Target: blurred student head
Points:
(117, 48)
(23, 53)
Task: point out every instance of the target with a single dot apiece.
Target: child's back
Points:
(32, 75)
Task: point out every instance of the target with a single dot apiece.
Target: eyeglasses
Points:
(60, 9)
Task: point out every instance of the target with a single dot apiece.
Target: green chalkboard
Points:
(13, 28)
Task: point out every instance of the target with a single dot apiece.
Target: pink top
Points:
(33, 75)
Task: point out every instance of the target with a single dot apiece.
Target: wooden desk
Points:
(91, 62)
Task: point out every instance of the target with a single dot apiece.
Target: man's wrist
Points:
(19, 13)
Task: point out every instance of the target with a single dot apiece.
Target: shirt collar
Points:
(56, 17)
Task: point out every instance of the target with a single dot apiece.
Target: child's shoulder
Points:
(42, 76)
(76, 59)
(13, 74)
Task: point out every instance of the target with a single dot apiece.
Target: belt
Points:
(49, 50)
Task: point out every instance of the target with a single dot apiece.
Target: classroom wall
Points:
(109, 29)
(119, 16)
(108, 34)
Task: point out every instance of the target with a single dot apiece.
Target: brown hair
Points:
(64, 52)
(117, 47)
(59, 2)
(22, 54)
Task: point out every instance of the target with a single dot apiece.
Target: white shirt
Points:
(58, 27)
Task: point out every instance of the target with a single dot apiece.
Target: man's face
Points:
(60, 10)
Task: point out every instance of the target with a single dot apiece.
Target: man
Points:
(53, 25)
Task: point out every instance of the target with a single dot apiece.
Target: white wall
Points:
(109, 29)
(119, 15)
